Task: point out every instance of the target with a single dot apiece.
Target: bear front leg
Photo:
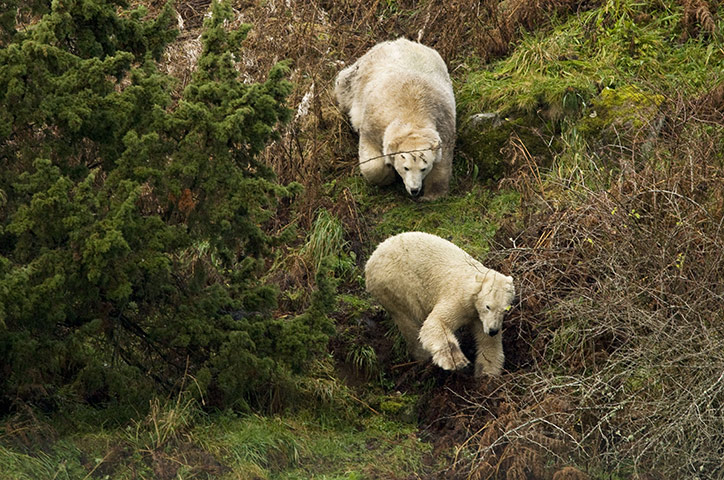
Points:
(440, 341)
(437, 181)
(489, 357)
(372, 163)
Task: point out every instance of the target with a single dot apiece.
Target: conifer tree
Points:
(131, 239)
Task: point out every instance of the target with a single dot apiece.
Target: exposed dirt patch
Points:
(167, 461)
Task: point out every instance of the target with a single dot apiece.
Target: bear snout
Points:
(493, 332)
(415, 191)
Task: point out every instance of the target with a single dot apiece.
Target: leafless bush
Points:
(623, 294)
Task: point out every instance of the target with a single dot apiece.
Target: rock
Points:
(485, 120)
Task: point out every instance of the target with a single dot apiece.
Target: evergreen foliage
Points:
(131, 224)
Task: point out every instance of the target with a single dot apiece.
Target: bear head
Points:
(413, 154)
(494, 299)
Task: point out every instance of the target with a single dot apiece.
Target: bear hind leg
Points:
(409, 330)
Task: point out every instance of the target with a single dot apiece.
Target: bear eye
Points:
(487, 306)
(407, 169)
(423, 169)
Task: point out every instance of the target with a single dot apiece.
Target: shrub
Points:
(132, 238)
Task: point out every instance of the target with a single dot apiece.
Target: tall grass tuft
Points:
(262, 443)
(325, 240)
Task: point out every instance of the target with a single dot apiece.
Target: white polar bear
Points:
(430, 287)
(399, 99)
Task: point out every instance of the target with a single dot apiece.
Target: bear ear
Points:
(511, 287)
(435, 142)
(392, 137)
(482, 279)
(389, 148)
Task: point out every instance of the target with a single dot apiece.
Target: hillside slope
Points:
(596, 181)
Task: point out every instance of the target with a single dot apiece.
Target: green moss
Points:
(486, 145)
(400, 406)
(623, 109)
(644, 381)
(352, 305)
(469, 220)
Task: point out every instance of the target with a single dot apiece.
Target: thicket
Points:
(132, 223)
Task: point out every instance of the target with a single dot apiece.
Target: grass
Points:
(21, 466)
(326, 239)
(364, 360)
(559, 73)
(226, 446)
(469, 219)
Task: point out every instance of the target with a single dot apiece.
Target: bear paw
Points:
(484, 366)
(429, 197)
(450, 358)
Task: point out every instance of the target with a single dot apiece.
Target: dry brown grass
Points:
(621, 320)
(698, 17)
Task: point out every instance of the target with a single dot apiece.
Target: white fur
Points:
(430, 287)
(399, 99)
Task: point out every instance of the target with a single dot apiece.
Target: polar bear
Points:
(431, 287)
(399, 99)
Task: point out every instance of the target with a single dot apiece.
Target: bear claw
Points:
(451, 358)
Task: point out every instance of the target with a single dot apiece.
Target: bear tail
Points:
(343, 90)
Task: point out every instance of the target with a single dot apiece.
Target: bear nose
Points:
(414, 192)
(493, 332)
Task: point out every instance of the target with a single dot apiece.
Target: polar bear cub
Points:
(431, 287)
(399, 99)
